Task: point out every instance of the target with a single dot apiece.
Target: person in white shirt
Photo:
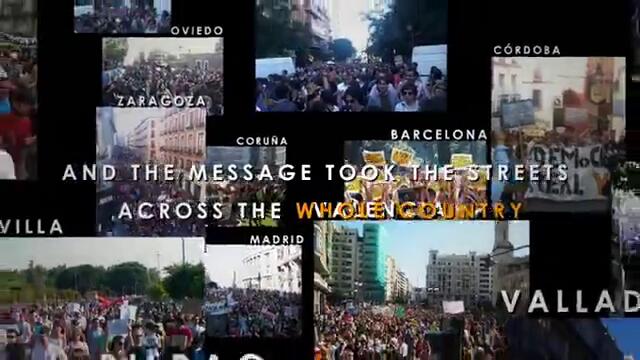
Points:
(409, 101)
(7, 167)
(404, 351)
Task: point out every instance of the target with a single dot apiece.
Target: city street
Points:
(344, 58)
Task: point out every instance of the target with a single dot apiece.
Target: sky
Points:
(625, 332)
(414, 239)
(347, 22)
(15, 253)
(126, 119)
(220, 261)
(173, 46)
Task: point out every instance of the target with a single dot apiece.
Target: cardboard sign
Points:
(459, 161)
(401, 157)
(453, 307)
(128, 312)
(374, 157)
(117, 327)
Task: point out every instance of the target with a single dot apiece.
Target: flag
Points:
(400, 312)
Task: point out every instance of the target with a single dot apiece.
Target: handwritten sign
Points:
(374, 157)
(401, 157)
(459, 161)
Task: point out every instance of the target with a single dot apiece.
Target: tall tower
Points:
(502, 255)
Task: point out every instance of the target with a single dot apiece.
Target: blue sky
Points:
(625, 332)
(412, 240)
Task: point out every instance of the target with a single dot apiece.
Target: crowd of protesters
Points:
(231, 195)
(86, 331)
(367, 334)
(18, 113)
(258, 313)
(151, 80)
(353, 88)
(124, 21)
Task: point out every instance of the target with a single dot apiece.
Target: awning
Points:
(319, 283)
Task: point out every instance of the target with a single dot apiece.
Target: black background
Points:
(568, 251)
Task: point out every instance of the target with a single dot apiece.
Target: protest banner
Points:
(218, 308)
(128, 312)
(453, 307)
(376, 158)
(587, 174)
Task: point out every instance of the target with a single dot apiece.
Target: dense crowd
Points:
(124, 21)
(353, 88)
(18, 114)
(89, 329)
(259, 313)
(230, 195)
(367, 334)
(151, 80)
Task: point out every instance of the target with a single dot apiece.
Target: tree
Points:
(409, 23)
(277, 35)
(185, 281)
(115, 49)
(157, 292)
(127, 278)
(80, 278)
(342, 49)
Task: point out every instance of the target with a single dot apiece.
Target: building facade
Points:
(106, 133)
(183, 144)
(391, 278)
(143, 139)
(343, 262)
(372, 263)
(276, 268)
(454, 277)
(403, 286)
(19, 18)
(322, 242)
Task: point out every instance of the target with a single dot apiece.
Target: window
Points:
(501, 81)
(514, 83)
(537, 99)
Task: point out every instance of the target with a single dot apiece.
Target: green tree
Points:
(342, 49)
(80, 278)
(115, 49)
(278, 35)
(157, 292)
(127, 278)
(409, 23)
(185, 281)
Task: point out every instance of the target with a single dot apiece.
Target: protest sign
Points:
(517, 113)
(587, 174)
(459, 161)
(453, 307)
(401, 157)
(117, 327)
(218, 308)
(374, 157)
(73, 307)
(128, 312)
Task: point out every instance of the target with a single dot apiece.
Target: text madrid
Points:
(287, 172)
(539, 303)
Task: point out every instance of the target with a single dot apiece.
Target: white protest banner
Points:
(132, 312)
(117, 327)
(586, 171)
(219, 308)
(124, 312)
(453, 307)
